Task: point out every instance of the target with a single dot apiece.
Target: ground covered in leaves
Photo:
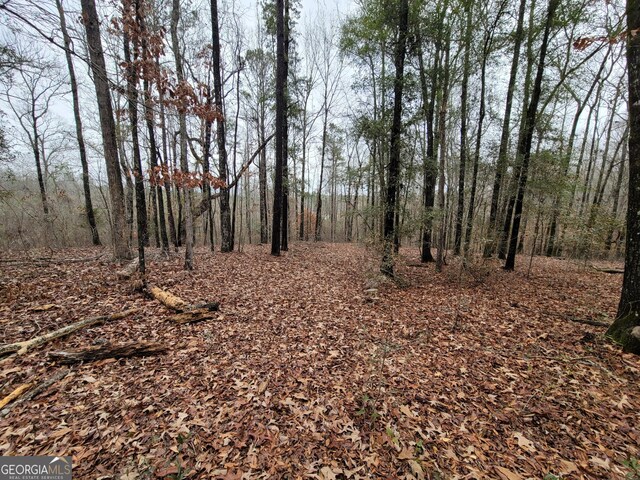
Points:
(317, 368)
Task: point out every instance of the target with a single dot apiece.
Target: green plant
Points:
(368, 409)
(633, 464)
(551, 476)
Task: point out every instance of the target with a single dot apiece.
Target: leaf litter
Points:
(316, 367)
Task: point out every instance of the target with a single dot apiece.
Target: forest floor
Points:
(317, 368)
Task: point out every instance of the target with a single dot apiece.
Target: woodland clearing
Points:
(316, 367)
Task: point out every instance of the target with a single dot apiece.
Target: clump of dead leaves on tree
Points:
(304, 374)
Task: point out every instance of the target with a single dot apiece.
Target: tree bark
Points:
(281, 107)
(501, 164)
(393, 170)
(625, 329)
(82, 150)
(122, 249)
(226, 244)
(525, 143)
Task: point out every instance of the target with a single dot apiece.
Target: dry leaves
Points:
(303, 376)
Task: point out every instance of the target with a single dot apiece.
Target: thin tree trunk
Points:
(463, 130)
(82, 150)
(501, 164)
(226, 244)
(184, 164)
(281, 125)
(524, 145)
(141, 208)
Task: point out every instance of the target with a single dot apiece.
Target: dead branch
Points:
(34, 392)
(20, 348)
(614, 271)
(100, 352)
(15, 394)
(186, 313)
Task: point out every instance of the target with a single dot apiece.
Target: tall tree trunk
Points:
(444, 102)
(281, 125)
(323, 152)
(430, 169)
(226, 244)
(393, 171)
(510, 201)
(82, 150)
(184, 164)
(284, 244)
(164, 165)
(262, 181)
(625, 328)
(463, 129)
(90, 15)
(141, 207)
(501, 164)
(524, 145)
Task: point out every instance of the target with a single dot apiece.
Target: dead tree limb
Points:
(34, 392)
(15, 394)
(186, 313)
(614, 271)
(100, 352)
(20, 348)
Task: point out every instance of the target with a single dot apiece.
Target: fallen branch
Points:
(45, 260)
(186, 313)
(15, 394)
(20, 348)
(168, 299)
(100, 352)
(614, 271)
(585, 321)
(34, 392)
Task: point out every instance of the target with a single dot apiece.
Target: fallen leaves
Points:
(301, 377)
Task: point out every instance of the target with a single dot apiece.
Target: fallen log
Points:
(34, 392)
(20, 348)
(100, 352)
(186, 313)
(614, 271)
(168, 299)
(15, 394)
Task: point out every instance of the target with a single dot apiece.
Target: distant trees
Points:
(449, 157)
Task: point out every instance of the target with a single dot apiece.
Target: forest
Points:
(288, 239)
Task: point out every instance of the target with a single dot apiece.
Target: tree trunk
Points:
(430, 169)
(281, 107)
(501, 164)
(90, 15)
(141, 208)
(225, 207)
(184, 164)
(524, 145)
(443, 154)
(82, 150)
(463, 130)
(393, 171)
